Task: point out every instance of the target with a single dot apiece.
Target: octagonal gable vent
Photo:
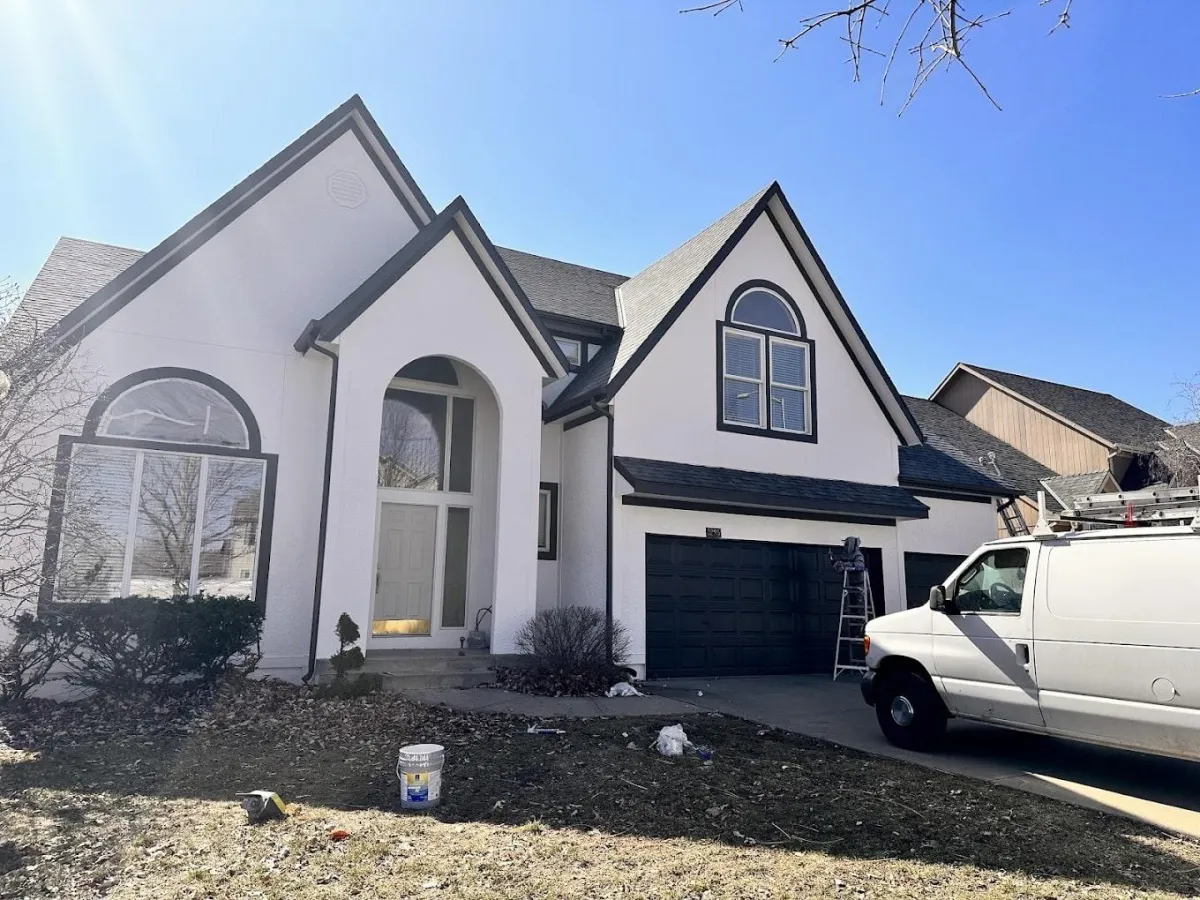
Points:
(346, 189)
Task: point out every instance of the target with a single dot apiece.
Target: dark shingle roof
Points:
(565, 289)
(655, 477)
(74, 271)
(939, 464)
(1066, 488)
(947, 431)
(649, 296)
(1102, 414)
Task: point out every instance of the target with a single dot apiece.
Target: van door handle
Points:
(1023, 655)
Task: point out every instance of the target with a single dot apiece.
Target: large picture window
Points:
(164, 495)
(765, 383)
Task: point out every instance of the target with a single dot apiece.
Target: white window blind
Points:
(743, 378)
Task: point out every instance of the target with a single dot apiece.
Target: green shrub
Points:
(349, 657)
(360, 685)
(132, 643)
(37, 646)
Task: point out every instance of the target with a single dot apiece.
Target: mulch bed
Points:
(137, 800)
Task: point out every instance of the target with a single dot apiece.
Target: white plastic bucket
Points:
(419, 769)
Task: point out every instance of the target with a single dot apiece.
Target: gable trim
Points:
(456, 219)
(1016, 395)
(896, 413)
(351, 116)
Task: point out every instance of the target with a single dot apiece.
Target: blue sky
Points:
(1059, 238)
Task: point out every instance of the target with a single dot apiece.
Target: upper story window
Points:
(572, 349)
(766, 384)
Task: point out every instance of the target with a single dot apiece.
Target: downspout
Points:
(324, 526)
(608, 537)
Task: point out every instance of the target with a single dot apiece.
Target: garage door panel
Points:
(922, 571)
(718, 607)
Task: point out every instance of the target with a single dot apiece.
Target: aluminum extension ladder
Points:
(858, 608)
(1014, 522)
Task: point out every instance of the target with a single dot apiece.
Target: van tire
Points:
(909, 711)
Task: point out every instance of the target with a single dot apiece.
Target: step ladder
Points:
(858, 608)
(1014, 522)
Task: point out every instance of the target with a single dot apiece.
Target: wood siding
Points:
(1054, 445)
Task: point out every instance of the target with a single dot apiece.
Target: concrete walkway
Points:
(1163, 792)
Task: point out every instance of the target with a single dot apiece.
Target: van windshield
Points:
(993, 583)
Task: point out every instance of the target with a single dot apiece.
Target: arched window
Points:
(166, 494)
(766, 365)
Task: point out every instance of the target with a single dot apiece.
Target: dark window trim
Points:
(551, 488)
(162, 373)
(58, 499)
(766, 430)
(743, 510)
(760, 284)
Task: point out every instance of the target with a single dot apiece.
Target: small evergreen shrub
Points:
(349, 658)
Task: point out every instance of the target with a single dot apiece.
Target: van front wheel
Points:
(909, 711)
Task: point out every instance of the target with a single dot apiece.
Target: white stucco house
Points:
(325, 393)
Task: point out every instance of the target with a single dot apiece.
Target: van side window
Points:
(993, 583)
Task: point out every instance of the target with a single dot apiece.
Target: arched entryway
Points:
(436, 504)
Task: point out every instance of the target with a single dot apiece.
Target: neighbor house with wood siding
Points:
(1088, 441)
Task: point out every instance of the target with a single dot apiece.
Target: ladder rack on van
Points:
(1153, 506)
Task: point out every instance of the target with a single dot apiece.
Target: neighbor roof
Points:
(565, 289)
(74, 271)
(799, 493)
(652, 300)
(1112, 420)
(1066, 488)
(948, 432)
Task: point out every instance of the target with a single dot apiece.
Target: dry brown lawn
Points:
(136, 801)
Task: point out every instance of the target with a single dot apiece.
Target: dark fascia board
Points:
(352, 116)
(645, 488)
(596, 332)
(763, 206)
(458, 219)
(925, 487)
(941, 494)
(742, 510)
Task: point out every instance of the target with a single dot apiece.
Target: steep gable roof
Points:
(1102, 416)
(565, 289)
(653, 299)
(968, 444)
(457, 219)
(74, 270)
(352, 116)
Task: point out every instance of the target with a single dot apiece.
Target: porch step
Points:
(413, 669)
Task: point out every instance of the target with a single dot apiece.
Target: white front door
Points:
(983, 642)
(404, 579)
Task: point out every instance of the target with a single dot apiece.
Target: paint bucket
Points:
(419, 769)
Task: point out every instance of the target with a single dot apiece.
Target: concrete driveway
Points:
(1163, 792)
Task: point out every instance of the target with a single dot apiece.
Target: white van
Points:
(1093, 636)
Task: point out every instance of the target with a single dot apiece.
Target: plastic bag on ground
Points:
(623, 689)
(671, 740)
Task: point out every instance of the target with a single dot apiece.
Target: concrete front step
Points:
(437, 681)
(422, 669)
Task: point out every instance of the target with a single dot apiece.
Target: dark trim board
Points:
(744, 510)
(58, 499)
(552, 488)
(334, 322)
(161, 373)
(582, 420)
(160, 260)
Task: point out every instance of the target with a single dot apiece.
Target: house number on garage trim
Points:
(712, 532)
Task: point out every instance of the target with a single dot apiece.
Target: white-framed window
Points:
(765, 366)
(571, 348)
(548, 521)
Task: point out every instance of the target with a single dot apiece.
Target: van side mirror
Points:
(937, 598)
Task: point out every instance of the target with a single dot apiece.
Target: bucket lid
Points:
(421, 750)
